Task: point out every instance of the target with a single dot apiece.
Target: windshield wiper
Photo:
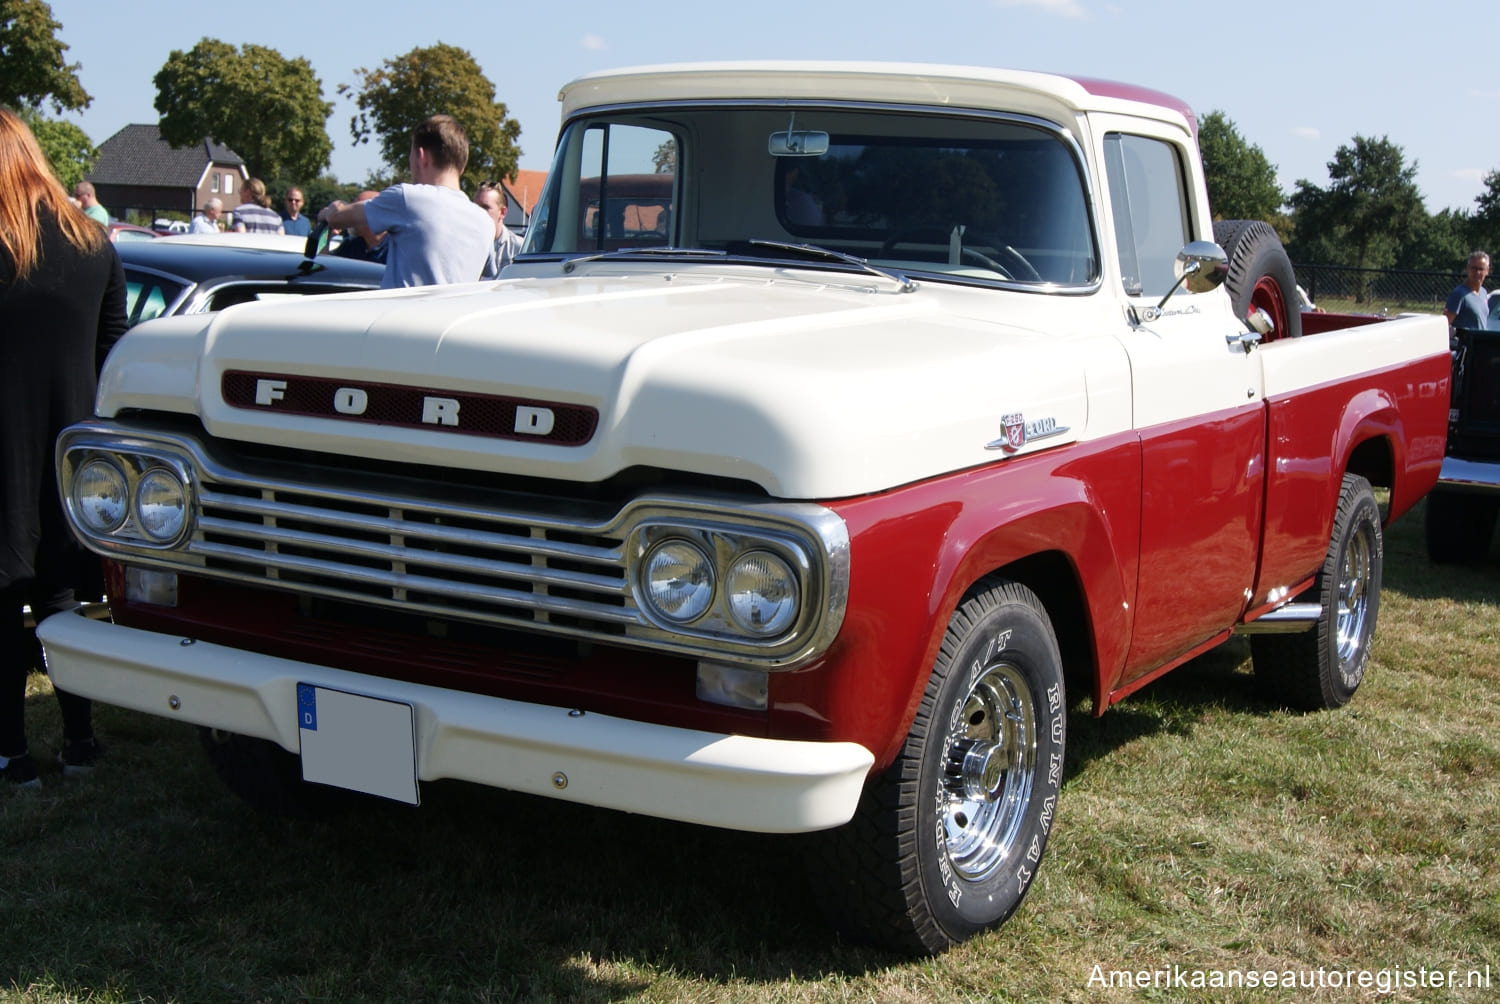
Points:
(824, 254)
(643, 252)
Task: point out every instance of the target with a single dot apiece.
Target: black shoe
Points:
(78, 758)
(21, 772)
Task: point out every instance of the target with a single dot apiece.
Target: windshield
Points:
(964, 197)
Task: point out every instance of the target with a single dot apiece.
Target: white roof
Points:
(1052, 96)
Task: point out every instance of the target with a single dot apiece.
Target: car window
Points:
(148, 296)
(1148, 198)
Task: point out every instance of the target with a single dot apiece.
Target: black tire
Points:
(269, 778)
(1323, 667)
(946, 842)
(1260, 274)
(1459, 526)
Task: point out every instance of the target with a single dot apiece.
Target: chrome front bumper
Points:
(1477, 476)
(736, 782)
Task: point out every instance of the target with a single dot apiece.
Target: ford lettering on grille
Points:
(416, 407)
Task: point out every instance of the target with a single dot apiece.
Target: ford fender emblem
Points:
(1016, 432)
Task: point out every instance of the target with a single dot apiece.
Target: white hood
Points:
(811, 388)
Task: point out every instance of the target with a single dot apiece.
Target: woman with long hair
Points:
(254, 214)
(62, 306)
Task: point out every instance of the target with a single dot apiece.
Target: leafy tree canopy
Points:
(265, 107)
(1241, 181)
(1483, 231)
(32, 68)
(402, 92)
(66, 146)
(1371, 204)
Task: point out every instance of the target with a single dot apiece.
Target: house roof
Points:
(137, 155)
(526, 188)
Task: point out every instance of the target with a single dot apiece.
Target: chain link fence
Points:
(1340, 289)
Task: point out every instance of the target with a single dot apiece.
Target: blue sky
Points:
(1297, 78)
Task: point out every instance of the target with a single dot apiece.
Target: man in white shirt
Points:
(491, 199)
(207, 222)
(433, 232)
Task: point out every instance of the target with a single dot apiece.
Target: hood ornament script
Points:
(1017, 432)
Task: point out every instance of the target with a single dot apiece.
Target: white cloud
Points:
(1305, 132)
(1473, 175)
(593, 42)
(1062, 8)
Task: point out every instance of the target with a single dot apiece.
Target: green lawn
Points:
(1199, 828)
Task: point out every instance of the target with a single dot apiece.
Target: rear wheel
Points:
(1260, 275)
(947, 841)
(1322, 667)
(1459, 526)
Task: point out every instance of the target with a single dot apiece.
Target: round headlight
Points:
(679, 580)
(99, 492)
(761, 593)
(160, 504)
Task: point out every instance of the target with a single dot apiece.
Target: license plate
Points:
(360, 743)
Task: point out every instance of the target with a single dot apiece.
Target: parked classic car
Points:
(129, 233)
(1462, 509)
(195, 275)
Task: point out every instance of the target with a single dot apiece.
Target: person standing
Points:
(491, 199)
(88, 201)
(207, 222)
(294, 222)
(434, 234)
(254, 214)
(1468, 305)
(62, 306)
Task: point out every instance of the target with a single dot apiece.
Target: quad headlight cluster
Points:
(722, 581)
(128, 498)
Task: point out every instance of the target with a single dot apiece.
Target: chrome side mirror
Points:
(1203, 265)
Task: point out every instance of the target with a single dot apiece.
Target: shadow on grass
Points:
(147, 881)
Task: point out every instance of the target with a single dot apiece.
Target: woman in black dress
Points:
(62, 305)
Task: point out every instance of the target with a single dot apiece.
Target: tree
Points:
(32, 69)
(402, 92)
(67, 147)
(1370, 208)
(1483, 231)
(263, 106)
(1241, 182)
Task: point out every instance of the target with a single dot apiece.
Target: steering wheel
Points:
(1018, 266)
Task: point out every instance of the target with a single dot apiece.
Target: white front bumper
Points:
(737, 782)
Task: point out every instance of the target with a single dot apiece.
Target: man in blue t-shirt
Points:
(434, 234)
(1468, 305)
(294, 222)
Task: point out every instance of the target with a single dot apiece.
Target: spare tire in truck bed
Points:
(1260, 274)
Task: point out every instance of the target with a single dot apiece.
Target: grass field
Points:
(1199, 828)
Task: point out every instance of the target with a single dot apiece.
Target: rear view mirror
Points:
(798, 143)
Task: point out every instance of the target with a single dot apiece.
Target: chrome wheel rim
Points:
(1354, 594)
(990, 771)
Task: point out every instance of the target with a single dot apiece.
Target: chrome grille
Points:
(462, 549)
(494, 566)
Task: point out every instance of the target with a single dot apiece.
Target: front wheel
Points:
(947, 840)
(267, 777)
(1322, 667)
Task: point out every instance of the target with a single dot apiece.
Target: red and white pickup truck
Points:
(838, 429)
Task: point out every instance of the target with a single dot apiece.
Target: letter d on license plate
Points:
(360, 743)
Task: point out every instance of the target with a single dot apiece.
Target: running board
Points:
(1290, 619)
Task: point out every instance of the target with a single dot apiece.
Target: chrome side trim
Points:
(1293, 618)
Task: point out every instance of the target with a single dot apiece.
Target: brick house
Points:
(139, 173)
